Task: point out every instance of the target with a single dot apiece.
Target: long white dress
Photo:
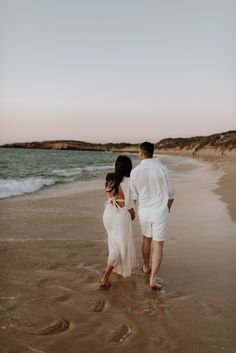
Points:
(117, 222)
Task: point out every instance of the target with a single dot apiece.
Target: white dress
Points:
(117, 222)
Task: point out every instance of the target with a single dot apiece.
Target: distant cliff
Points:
(218, 144)
(74, 145)
(222, 144)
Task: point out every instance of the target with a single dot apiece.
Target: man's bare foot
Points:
(146, 270)
(156, 286)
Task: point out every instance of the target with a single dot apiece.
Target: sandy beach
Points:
(53, 250)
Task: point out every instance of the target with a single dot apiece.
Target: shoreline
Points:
(228, 194)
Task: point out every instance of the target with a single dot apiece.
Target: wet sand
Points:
(53, 250)
(228, 194)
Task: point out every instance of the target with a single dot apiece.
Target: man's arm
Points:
(133, 189)
(171, 190)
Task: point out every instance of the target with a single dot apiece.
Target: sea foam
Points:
(11, 187)
(79, 170)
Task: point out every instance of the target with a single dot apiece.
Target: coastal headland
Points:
(216, 145)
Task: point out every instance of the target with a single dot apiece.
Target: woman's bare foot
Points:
(104, 283)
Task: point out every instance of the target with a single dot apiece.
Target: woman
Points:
(117, 217)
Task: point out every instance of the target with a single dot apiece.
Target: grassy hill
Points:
(222, 143)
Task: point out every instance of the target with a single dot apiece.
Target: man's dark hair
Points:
(147, 148)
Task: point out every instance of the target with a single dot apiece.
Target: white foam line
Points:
(35, 350)
(64, 288)
(11, 187)
(35, 239)
(51, 239)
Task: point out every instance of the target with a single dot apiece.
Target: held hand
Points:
(169, 204)
(132, 213)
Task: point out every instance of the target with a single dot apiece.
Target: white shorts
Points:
(154, 222)
(154, 230)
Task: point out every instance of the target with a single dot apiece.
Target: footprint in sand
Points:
(178, 295)
(61, 298)
(72, 254)
(58, 327)
(43, 282)
(121, 334)
(99, 306)
(54, 266)
(209, 310)
(156, 311)
(151, 310)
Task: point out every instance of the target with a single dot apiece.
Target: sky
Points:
(116, 70)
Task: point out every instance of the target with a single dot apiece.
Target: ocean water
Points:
(29, 170)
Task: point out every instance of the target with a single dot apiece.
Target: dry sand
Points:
(53, 250)
(202, 153)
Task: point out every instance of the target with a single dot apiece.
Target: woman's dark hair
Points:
(123, 167)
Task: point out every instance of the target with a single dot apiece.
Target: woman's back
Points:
(119, 197)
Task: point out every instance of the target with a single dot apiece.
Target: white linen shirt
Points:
(151, 185)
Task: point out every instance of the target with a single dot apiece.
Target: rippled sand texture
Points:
(53, 252)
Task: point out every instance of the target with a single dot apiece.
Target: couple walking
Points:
(148, 184)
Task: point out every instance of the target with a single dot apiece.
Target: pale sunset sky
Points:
(116, 70)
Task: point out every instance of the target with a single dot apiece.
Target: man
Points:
(151, 185)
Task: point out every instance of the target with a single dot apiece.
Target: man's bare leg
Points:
(146, 250)
(156, 262)
(105, 279)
